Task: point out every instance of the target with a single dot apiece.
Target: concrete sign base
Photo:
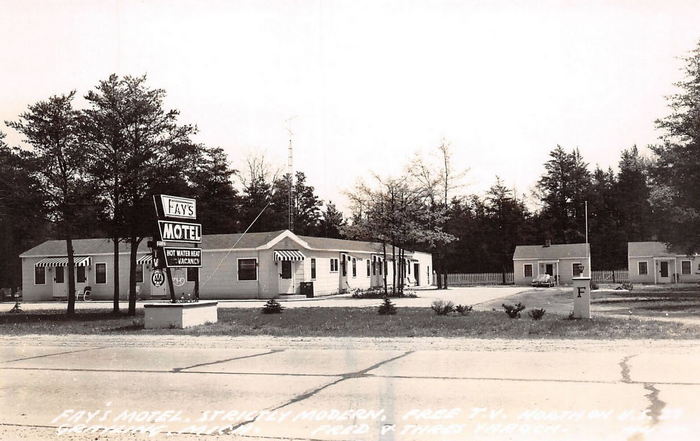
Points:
(180, 315)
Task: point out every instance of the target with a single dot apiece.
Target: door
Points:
(59, 282)
(286, 282)
(416, 272)
(549, 269)
(664, 276)
(80, 280)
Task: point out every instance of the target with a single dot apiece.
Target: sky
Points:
(366, 85)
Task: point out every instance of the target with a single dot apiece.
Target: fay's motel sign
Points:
(174, 216)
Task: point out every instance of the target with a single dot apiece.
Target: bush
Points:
(272, 307)
(537, 313)
(626, 285)
(513, 311)
(378, 293)
(387, 307)
(463, 309)
(442, 307)
(593, 285)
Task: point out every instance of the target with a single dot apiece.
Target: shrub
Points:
(626, 285)
(272, 306)
(513, 311)
(463, 309)
(442, 307)
(378, 293)
(594, 285)
(387, 307)
(537, 313)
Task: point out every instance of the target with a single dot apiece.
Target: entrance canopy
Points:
(144, 259)
(62, 261)
(289, 255)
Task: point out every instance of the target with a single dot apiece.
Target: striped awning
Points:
(146, 258)
(62, 261)
(293, 255)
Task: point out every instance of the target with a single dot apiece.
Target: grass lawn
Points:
(352, 322)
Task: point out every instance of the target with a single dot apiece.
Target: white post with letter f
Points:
(582, 297)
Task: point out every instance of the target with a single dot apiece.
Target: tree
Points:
(331, 222)
(676, 172)
(153, 153)
(563, 190)
(256, 180)
(305, 205)
(51, 129)
(218, 202)
(22, 216)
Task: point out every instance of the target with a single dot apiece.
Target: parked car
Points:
(543, 280)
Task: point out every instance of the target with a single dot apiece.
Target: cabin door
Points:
(664, 273)
(286, 281)
(60, 288)
(416, 273)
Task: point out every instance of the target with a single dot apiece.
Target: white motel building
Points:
(262, 265)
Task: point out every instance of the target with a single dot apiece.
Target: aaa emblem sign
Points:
(183, 257)
(157, 278)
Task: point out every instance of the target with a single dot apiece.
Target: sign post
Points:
(582, 297)
(173, 212)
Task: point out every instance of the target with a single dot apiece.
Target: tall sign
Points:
(175, 215)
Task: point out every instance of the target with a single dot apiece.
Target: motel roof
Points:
(652, 249)
(209, 242)
(557, 251)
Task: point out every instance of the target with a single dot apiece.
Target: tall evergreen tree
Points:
(677, 169)
(331, 222)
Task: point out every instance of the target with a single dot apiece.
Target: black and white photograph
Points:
(350, 220)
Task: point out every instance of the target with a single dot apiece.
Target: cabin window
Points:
(368, 270)
(374, 265)
(192, 274)
(286, 269)
(577, 269)
(527, 270)
(39, 275)
(101, 273)
(313, 268)
(60, 274)
(642, 268)
(139, 273)
(334, 265)
(247, 269)
(80, 274)
(354, 267)
(685, 267)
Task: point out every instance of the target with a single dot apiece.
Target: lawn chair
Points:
(87, 292)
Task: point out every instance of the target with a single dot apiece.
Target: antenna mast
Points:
(290, 172)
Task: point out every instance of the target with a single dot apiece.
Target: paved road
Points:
(349, 389)
(458, 295)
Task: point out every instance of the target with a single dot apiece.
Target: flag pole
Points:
(588, 254)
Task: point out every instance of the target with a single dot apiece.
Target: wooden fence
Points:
(479, 279)
(610, 276)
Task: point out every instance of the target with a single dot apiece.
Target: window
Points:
(60, 274)
(334, 265)
(374, 265)
(39, 275)
(286, 269)
(685, 267)
(368, 270)
(139, 273)
(248, 269)
(313, 268)
(100, 273)
(408, 266)
(80, 274)
(642, 268)
(192, 274)
(354, 267)
(527, 270)
(576, 269)
(343, 266)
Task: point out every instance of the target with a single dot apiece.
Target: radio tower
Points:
(290, 172)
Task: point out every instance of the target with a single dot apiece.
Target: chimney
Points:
(547, 243)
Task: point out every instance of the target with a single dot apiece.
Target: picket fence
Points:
(456, 279)
(610, 276)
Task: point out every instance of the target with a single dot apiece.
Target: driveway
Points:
(472, 295)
